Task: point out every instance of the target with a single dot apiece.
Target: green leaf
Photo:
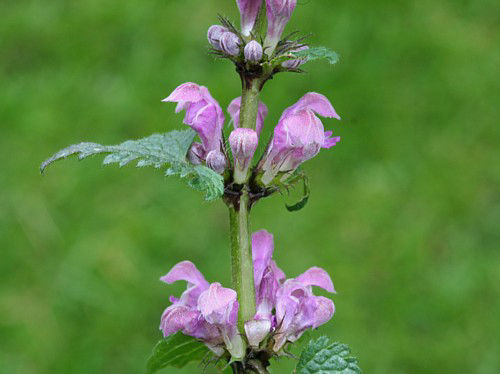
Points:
(321, 356)
(158, 150)
(316, 53)
(305, 197)
(177, 351)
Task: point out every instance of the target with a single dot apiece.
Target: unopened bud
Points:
(216, 161)
(294, 64)
(196, 154)
(214, 34)
(253, 51)
(243, 144)
(230, 43)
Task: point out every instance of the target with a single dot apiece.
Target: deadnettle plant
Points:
(261, 314)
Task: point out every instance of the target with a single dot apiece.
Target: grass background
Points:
(404, 213)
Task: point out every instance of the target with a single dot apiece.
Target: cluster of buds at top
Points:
(286, 308)
(252, 46)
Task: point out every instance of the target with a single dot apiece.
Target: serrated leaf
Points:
(158, 150)
(316, 53)
(176, 351)
(322, 356)
(200, 178)
(305, 197)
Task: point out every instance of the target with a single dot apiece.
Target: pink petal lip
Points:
(186, 271)
(316, 276)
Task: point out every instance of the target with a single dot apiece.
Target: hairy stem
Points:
(241, 258)
(249, 103)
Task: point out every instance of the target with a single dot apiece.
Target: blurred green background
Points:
(404, 213)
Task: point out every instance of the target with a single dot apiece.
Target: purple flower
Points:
(208, 312)
(253, 51)
(267, 275)
(299, 136)
(203, 114)
(214, 35)
(249, 9)
(234, 112)
(279, 13)
(230, 43)
(268, 278)
(297, 309)
(285, 308)
(243, 144)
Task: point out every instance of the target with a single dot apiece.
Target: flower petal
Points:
(316, 276)
(186, 92)
(177, 318)
(186, 271)
(313, 101)
(262, 252)
(256, 331)
(324, 311)
(218, 304)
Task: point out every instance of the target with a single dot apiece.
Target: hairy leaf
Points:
(316, 53)
(321, 356)
(177, 351)
(158, 150)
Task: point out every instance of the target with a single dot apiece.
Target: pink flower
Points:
(249, 9)
(234, 112)
(208, 312)
(279, 13)
(297, 309)
(286, 308)
(203, 114)
(299, 136)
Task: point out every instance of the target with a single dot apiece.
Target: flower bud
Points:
(214, 35)
(216, 161)
(230, 43)
(243, 144)
(249, 9)
(294, 64)
(279, 13)
(253, 51)
(196, 154)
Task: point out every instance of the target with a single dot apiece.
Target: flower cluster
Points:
(298, 136)
(285, 307)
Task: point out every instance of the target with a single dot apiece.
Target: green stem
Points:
(249, 103)
(241, 258)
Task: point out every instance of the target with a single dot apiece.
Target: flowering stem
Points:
(241, 258)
